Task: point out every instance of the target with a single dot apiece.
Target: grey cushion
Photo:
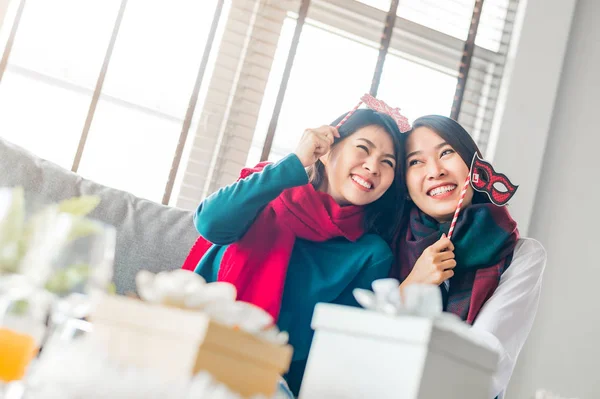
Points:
(149, 235)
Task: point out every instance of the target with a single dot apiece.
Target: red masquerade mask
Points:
(486, 180)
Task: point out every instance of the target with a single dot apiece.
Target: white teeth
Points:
(361, 181)
(441, 190)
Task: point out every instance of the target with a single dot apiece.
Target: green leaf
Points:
(9, 257)
(11, 227)
(111, 289)
(20, 307)
(41, 218)
(66, 280)
(79, 206)
(11, 231)
(83, 227)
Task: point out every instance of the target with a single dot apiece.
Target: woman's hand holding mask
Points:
(315, 143)
(435, 264)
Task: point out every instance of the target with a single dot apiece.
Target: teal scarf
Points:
(484, 241)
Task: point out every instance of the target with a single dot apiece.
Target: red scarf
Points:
(257, 264)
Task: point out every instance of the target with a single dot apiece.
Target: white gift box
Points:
(358, 353)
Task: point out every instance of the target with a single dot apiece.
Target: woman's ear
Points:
(327, 157)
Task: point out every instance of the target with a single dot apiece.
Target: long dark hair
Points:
(455, 135)
(381, 215)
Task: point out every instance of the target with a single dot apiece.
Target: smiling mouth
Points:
(438, 191)
(361, 182)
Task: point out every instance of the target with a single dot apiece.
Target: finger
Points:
(442, 256)
(448, 264)
(307, 133)
(442, 276)
(442, 244)
(325, 129)
(450, 245)
(318, 136)
(325, 132)
(335, 132)
(322, 139)
(322, 146)
(321, 151)
(446, 275)
(438, 278)
(330, 131)
(330, 135)
(445, 265)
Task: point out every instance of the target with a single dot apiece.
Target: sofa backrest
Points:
(150, 236)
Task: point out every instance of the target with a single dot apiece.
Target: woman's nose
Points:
(372, 165)
(435, 170)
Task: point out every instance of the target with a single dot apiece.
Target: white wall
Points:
(528, 96)
(563, 350)
(3, 7)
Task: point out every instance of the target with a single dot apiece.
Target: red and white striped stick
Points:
(348, 115)
(460, 201)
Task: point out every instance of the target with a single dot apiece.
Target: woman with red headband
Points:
(309, 228)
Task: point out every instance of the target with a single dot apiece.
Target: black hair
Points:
(456, 136)
(382, 215)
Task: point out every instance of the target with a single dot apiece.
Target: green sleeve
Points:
(224, 217)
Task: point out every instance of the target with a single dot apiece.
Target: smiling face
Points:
(435, 173)
(361, 167)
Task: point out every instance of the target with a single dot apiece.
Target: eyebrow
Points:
(370, 143)
(437, 147)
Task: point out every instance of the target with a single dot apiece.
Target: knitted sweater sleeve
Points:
(225, 216)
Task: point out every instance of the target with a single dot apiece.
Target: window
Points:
(47, 87)
(419, 74)
(55, 62)
(330, 69)
(452, 17)
(415, 88)
(144, 99)
(60, 47)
